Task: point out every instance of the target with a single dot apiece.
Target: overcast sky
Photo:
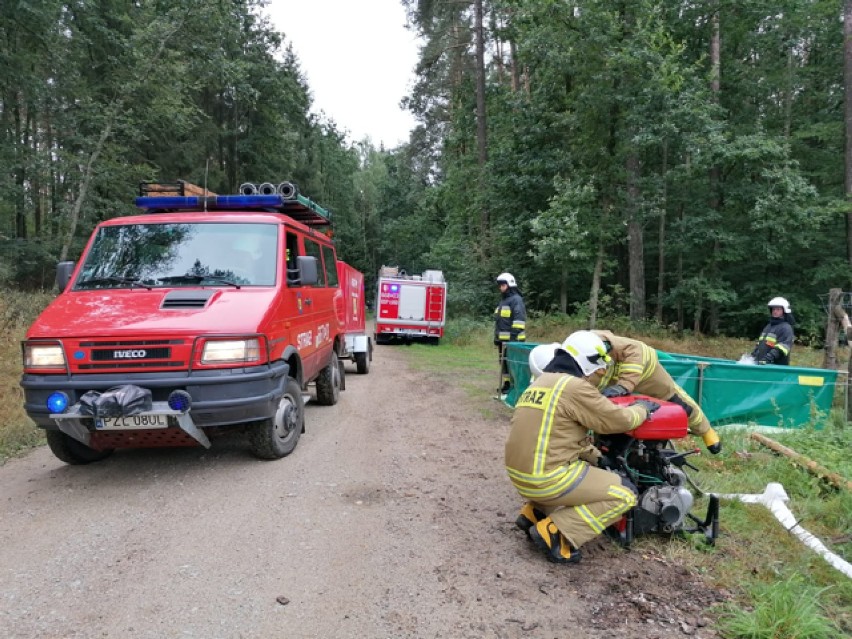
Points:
(358, 59)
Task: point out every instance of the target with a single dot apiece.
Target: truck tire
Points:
(69, 450)
(277, 436)
(328, 383)
(362, 360)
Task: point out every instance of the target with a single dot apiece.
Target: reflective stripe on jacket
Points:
(550, 430)
(510, 319)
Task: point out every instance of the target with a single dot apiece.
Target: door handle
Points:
(308, 300)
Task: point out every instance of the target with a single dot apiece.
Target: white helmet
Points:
(780, 301)
(588, 351)
(507, 278)
(540, 357)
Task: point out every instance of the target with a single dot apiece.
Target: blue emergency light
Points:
(217, 202)
(180, 400)
(394, 287)
(57, 402)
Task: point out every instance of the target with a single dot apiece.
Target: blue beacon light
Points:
(57, 402)
(394, 287)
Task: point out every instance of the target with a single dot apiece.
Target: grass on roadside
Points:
(782, 589)
(17, 311)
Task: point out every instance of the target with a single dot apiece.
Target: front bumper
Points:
(220, 397)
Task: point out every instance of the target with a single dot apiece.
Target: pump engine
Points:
(647, 457)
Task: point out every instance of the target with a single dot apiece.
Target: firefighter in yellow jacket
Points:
(548, 452)
(635, 368)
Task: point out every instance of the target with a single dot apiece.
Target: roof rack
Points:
(181, 196)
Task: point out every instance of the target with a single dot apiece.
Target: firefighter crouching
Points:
(635, 368)
(510, 324)
(550, 458)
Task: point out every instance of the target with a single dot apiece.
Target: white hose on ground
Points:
(774, 497)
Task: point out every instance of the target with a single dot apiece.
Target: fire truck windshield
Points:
(159, 255)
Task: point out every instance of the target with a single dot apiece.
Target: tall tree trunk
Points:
(594, 294)
(788, 95)
(516, 70)
(481, 131)
(85, 183)
(635, 241)
(847, 117)
(696, 316)
(661, 260)
(681, 319)
(20, 171)
(563, 290)
(715, 199)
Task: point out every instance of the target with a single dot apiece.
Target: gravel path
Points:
(392, 518)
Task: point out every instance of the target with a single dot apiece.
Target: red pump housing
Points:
(668, 422)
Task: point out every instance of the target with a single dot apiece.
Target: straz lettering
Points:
(323, 334)
(534, 398)
(304, 340)
(138, 354)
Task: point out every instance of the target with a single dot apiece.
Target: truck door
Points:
(320, 298)
(412, 302)
(302, 306)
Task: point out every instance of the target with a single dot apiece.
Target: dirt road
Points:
(392, 518)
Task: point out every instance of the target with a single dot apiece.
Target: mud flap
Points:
(188, 426)
(74, 429)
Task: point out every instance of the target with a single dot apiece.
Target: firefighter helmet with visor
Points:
(588, 350)
(780, 301)
(508, 279)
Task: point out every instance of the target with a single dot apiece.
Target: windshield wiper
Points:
(115, 279)
(198, 279)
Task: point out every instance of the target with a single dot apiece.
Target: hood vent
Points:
(186, 299)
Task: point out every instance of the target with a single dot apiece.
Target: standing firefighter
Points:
(550, 458)
(510, 323)
(635, 368)
(776, 339)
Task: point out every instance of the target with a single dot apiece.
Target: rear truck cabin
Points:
(410, 307)
(221, 308)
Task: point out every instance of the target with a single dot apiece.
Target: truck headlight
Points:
(237, 350)
(44, 356)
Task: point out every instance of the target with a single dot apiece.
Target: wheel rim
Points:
(286, 417)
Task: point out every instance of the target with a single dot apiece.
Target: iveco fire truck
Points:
(410, 306)
(210, 311)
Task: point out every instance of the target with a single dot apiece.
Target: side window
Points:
(292, 266)
(313, 250)
(330, 266)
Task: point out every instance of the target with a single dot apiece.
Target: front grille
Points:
(130, 354)
(113, 354)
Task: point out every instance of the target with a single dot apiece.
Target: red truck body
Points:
(410, 306)
(222, 308)
(352, 315)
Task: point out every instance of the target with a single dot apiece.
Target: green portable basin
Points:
(728, 392)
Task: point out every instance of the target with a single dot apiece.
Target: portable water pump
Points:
(647, 457)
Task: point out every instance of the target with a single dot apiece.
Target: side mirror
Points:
(63, 274)
(307, 270)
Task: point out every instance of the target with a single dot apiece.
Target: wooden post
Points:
(829, 361)
(812, 467)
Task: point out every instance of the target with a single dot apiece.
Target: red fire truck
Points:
(208, 311)
(410, 306)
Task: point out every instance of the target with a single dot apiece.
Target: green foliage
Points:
(789, 609)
